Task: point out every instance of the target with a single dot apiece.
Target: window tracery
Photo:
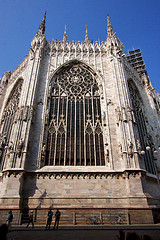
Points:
(75, 135)
(144, 137)
(8, 118)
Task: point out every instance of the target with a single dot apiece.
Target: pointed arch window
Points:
(8, 119)
(143, 137)
(75, 135)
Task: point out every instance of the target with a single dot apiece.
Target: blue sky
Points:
(136, 23)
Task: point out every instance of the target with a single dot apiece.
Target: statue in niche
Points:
(19, 147)
(17, 114)
(124, 114)
(43, 151)
(9, 149)
(107, 155)
(118, 114)
(25, 113)
(104, 118)
(47, 116)
(49, 90)
(129, 113)
(31, 113)
(2, 144)
(130, 148)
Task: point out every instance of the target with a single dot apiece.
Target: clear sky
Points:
(136, 23)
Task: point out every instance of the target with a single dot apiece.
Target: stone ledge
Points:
(72, 174)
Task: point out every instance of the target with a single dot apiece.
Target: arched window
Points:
(8, 119)
(144, 139)
(75, 126)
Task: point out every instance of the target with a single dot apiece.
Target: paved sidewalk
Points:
(82, 232)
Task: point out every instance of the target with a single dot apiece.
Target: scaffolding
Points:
(136, 60)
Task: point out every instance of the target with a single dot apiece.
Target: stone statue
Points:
(9, 148)
(19, 147)
(119, 114)
(124, 114)
(107, 155)
(104, 118)
(129, 113)
(46, 117)
(2, 144)
(17, 113)
(43, 151)
(31, 113)
(130, 148)
(25, 113)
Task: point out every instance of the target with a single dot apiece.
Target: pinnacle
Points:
(86, 37)
(109, 27)
(42, 25)
(65, 35)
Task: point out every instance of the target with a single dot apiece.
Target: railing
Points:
(68, 216)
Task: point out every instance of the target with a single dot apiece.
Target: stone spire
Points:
(86, 37)
(65, 35)
(42, 26)
(109, 27)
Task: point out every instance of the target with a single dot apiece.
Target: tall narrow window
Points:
(7, 120)
(144, 138)
(75, 135)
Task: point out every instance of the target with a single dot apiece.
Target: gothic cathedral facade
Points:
(79, 125)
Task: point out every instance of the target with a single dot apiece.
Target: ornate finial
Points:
(86, 37)
(109, 27)
(42, 26)
(65, 35)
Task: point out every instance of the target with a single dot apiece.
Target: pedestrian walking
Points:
(49, 219)
(57, 218)
(30, 220)
(9, 220)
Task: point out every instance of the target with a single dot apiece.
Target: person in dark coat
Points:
(30, 220)
(9, 220)
(49, 219)
(57, 218)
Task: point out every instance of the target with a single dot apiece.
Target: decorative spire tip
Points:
(86, 37)
(109, 27)
(65, 34)
(42, 26)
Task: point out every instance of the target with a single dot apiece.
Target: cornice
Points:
(126, 174)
